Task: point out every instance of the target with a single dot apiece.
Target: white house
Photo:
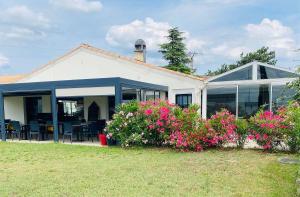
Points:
(88, 83)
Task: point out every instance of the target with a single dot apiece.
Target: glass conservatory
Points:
(245, 90)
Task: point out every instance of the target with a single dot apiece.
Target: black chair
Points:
(16, 129)
(94, 129)
(87, 132)
(68, 131)
(34, 129)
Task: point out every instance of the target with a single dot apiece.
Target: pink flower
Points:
(159, 123)
(257, 136)
(148, 112)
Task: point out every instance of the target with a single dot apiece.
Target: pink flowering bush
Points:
(267, 129)
(159, 123)
(223, 123)
(161, 120)
(291, 115)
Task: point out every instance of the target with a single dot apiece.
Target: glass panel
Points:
(183, 100)
(218, 98)
(264, 72)
(70, 109)
(251, 98)
(243, 74)
(157, 94)
(281, 95)
(150, 95)
(129, 94)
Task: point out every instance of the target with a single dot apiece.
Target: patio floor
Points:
(84, 143)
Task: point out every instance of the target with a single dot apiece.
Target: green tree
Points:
(262, 55)
(174, 51)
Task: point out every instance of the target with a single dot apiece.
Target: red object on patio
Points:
(102, 139)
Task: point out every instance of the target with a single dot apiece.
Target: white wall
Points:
(93, 91)
(46, 104)
(102, 102)
(87, 64)
(14, 108)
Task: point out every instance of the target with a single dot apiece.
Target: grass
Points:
(65, 170)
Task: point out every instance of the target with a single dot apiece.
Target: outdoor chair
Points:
(94, 129)
(68, 131)
(34, 129)
(87, 132)
(16, 129)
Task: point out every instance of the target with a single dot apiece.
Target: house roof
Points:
(10, 78)
(210, 79)
(116, 56)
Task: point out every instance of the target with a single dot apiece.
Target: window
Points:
(251, 98)
(222, 97)
(150, 95)
(70, 109)
(243, 74)
(281, 95)
(264, 72)
(129, 94)
(183, 100)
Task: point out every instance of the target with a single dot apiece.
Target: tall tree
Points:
(262, 55)
(174, 51)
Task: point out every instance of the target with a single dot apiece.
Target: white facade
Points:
(87, 62)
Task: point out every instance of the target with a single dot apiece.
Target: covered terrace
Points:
(20, 103)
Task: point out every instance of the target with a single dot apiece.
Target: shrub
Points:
(268, 129)
(160, 119)
(242, 129)
(223, 125)
(127, 126)
(291, 113)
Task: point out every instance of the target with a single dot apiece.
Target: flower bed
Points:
(159, 123)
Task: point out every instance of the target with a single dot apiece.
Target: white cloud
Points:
(3, 60)
(79, 5)
(228, 51)
(154, 33)
(22, 15)
(274, 34)
(20, 22)
(270, 33)
(21, 33)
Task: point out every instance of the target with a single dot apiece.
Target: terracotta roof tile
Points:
(10, 78)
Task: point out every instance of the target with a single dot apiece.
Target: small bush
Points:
(291, 113)
(268, 129)
(242, 129)
(223, 123)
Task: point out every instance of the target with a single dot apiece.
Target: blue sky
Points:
(33, 32)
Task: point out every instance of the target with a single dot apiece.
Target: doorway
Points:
(33, 106)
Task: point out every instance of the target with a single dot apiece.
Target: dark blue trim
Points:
(2, 118)
(118, 94)
(9, 89)
(54, 115)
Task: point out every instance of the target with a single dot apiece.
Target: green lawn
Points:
(65, 170)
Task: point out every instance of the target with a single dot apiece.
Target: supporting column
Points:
(118, 94)
(204, 103)
(2, 118)
(54, 115)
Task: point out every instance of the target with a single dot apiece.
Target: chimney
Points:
(140, 50)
